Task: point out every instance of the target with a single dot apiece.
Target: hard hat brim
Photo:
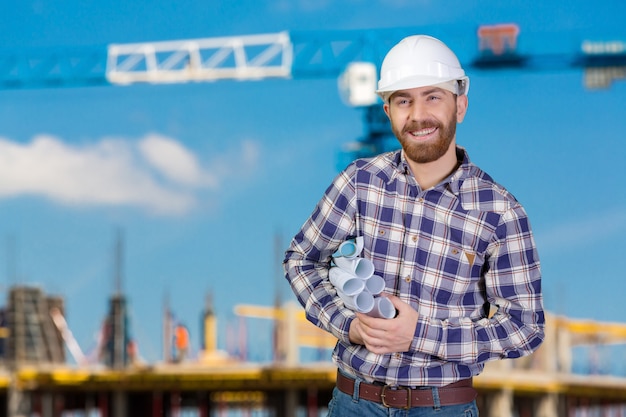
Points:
(421, 81)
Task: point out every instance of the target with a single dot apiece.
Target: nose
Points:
(417, 111)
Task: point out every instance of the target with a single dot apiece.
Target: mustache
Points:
(421, 124)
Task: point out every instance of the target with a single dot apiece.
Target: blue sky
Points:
(202, 177)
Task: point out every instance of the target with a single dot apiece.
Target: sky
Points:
(202, 179)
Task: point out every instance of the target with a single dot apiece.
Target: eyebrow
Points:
(405, 94)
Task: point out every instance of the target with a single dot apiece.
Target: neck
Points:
(432, 173)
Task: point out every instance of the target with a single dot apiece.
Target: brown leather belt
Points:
(460, 392)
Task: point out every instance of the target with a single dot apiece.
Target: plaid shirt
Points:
(451, 252)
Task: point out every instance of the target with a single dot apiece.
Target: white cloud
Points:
(174, 161)
(156, 173)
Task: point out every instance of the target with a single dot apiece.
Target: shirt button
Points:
(414, 238)
(381, 232)
(421, 199)
(407, 278)
(397, 355)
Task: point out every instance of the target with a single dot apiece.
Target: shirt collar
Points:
(453, 182)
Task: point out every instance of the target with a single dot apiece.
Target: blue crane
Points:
(351, 55)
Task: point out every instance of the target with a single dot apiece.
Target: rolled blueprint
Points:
(362, 302)
(357, 286)
(383, 308)
(359, 267)
(375, 284)
(350, 248)
(345, 282)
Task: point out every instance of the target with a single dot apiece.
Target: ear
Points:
(461, 107)
(386, 109)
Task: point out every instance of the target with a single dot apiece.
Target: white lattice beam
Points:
(240, 58)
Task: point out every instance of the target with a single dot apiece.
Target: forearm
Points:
(466, 341)
(308, 280)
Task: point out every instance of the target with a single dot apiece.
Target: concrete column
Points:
(291, 402)
(120, 404)
(18, 402)
(547, 406)
(500, 404)
(291, 334)
(90, 404)
(47, 404)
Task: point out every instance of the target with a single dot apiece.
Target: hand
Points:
(385, 335)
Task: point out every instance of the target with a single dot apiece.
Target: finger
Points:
(374, 327)
(378, 349)
(365, 321)
(397, 302)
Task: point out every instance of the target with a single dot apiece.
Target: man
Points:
(454, 247)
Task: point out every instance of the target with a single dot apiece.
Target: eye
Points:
(401, 101)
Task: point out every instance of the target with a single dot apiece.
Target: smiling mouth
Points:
(423, 133)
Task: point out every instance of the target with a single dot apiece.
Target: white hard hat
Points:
(420, 61)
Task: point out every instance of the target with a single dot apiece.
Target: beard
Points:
(432, 150)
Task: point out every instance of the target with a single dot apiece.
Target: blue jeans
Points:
(344, 405)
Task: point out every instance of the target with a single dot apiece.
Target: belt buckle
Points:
(408, 397)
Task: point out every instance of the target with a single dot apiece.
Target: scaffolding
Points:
(35, 338)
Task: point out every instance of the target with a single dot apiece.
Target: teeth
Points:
(423, 132)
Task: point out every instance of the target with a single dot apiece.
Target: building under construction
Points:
(36, 379)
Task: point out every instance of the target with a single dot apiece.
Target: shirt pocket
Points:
(447, 274)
